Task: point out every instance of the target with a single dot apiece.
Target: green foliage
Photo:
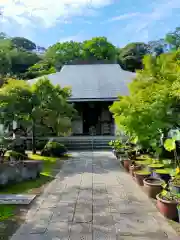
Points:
(23, 43)
(98, 48)
(170, 145)
(117, 145)
(54, 149)
(21, 60)
(131, 56)
(173, 38)
(15, 155)
(157, 47)
(63, 53)
(151, 108)
(6, 211)
(16, 56)
(39, 69)
(24, 103)
(19, 57)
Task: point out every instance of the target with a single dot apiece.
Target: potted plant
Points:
(140, 176)
(153, 186)
(167, 204)
(118, 147)
(170, 145)
(134, 167)
(175, 184)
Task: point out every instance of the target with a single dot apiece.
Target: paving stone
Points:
(104, 235)
(93, 198)
(63, 212)
(59, 230)
(81, 231)
(33, 237)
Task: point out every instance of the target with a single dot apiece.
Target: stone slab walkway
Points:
(92, 198)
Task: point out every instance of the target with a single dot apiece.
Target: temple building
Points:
(94, 88)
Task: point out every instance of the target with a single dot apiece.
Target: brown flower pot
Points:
(134, 168)
(126, 164)
(139, 177)
(153, 186)
(167, 208)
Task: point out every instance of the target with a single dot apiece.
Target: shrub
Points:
(15, 155)
(54, 149)
(40, 144)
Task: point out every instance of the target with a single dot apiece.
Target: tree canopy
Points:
(23, 43)
(153, 104)
(44, 104)
(23, 59)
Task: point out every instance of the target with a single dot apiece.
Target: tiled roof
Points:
(93, 81)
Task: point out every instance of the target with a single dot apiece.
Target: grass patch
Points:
(26, 186)
(6, 211)
(29, 186)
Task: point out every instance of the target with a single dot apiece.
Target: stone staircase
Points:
(86, 142)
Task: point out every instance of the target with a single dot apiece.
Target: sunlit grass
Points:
(6, 212)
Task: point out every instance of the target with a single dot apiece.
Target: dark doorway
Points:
(91, 113)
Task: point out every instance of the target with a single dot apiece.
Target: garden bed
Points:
(12, 216)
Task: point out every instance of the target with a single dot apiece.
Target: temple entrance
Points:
(94, 115)
(91, 116)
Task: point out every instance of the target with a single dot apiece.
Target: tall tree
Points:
(63, 53)
(41, 104)
(131, 56)
(99, 48)
(173, 38)
(5, 59)
(152, 106)
(157, 47)
(23, 43)
(21, 60)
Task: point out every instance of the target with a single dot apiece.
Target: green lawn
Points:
(7, 211)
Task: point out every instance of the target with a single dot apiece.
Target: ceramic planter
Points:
(140, 176)
(126, 164)
(167, 208)
(134, 168)
(178, 209)
(162, 174)
(153, 186)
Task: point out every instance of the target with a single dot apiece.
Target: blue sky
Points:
(121, 21)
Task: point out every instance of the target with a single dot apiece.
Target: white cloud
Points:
(123, 17)
(47, 12)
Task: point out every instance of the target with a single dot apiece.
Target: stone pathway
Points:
(92, 198)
